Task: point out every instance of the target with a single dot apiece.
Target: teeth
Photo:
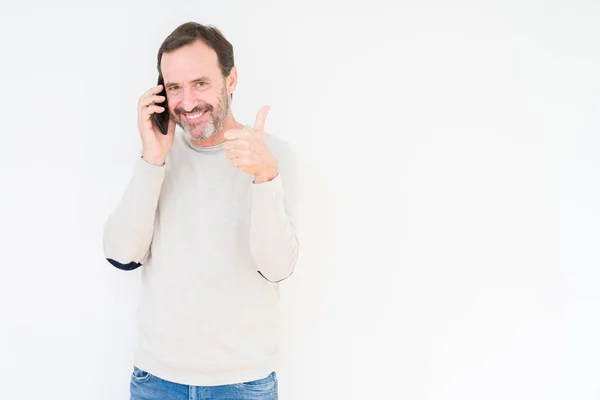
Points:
(194, 116)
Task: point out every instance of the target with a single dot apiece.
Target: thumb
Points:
(261, 117)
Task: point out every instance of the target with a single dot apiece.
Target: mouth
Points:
(193, 116)
(196, 115)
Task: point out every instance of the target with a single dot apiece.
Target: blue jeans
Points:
(145, 386)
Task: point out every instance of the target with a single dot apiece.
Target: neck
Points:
(219, 137)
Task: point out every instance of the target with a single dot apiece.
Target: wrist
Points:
(156, 161)
(266, 176)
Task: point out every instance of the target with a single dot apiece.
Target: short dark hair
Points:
(190, 32)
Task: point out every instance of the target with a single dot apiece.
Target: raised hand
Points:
(248, 151)
(156, 146)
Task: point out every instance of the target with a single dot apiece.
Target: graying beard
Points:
(203, 137)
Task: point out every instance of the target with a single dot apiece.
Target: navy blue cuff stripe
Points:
(281, 280)
(125, 267)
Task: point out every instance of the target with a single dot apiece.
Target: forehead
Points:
(190, 62)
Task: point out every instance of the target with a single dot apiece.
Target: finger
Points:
(235, 161)
(148, 111)
(261, 117)
(234, 134)
(151, 91)
(243, 162)
(232, 153)
(236, 144)
(151, 100)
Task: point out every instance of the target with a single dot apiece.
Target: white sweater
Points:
(212, 246)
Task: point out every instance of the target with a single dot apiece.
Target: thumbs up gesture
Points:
(248, 151)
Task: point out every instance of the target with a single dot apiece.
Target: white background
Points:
(449, 160)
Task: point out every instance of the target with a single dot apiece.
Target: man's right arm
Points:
(129, 229)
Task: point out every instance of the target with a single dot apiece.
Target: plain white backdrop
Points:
(451, 201)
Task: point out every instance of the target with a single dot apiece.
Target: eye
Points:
(172, 88)
(201, 84)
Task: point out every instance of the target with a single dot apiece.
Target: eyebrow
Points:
(204, 78)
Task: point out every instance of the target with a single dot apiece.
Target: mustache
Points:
(200, 108)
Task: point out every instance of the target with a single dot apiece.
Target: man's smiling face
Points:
(197, 92)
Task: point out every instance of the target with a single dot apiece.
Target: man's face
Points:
(197, 92)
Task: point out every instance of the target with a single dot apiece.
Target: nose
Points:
(188, 102)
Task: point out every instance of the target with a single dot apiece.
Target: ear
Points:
(231, 80)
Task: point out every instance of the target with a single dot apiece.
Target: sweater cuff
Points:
(272, 188)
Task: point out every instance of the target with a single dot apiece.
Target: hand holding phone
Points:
(156, 133)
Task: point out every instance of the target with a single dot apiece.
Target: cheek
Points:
(172, 104)
(211, 96)
(172, 101)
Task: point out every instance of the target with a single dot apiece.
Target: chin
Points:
(199, 137)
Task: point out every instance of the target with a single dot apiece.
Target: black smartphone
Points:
(162, 119)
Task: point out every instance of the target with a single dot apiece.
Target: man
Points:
(209, 215)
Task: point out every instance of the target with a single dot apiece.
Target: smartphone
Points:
(162, 119)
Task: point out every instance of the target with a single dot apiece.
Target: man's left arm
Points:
(273, 222)
(274, 198)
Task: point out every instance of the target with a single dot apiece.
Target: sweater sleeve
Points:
(273, 223)
(129, 229)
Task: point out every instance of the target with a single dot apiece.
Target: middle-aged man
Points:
(210, 217)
